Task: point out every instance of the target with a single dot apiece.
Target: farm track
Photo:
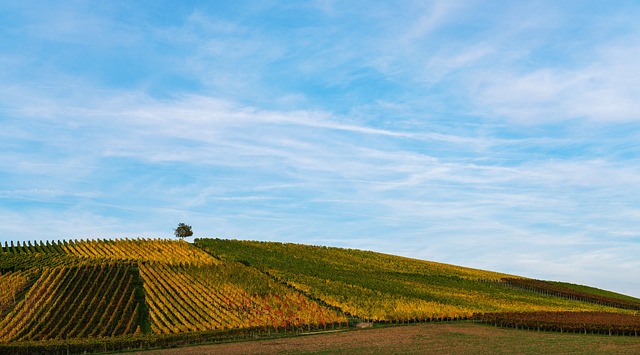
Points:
(433, 338)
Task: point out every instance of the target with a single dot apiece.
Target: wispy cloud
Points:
(450, 131)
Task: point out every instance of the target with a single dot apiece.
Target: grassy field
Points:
(432, 338)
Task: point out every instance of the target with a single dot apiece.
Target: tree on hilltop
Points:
(183, 231)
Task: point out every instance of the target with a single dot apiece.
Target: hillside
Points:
(132, 293)
(380, 287)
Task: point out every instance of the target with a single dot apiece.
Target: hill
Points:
(103, 294)
(380, 287)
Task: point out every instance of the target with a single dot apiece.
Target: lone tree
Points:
(183, 231)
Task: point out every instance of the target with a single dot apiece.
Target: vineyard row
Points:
(75, 302)
(159, 250)
(180, 301)
(548, 288)
(566, 322)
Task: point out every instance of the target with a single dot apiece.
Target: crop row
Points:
(33, 262)
(36, 247)
(386, 288)
(141, 342)
(183, 300)
(560, 290)
(171, 252)
(568, 322)
(159, 250)
(11, 284)
(313, 258)
(129, 288)
(75, 302)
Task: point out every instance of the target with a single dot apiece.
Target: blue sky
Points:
(502, 135)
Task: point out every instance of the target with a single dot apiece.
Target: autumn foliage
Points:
(113, 294)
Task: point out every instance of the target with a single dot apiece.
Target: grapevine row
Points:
(36, 247)
(89, 289)
(558, 290)
(18, 317)
(75, 302)
(160, 250)
(36, 261)
(11, 284)
(567, 322)
(174, 297)
(180, 301)
(385, 288)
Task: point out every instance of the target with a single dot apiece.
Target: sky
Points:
(501, 135)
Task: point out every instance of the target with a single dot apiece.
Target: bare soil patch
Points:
(443, 338)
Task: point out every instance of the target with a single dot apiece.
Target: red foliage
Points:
(575, 322)
(565, 292)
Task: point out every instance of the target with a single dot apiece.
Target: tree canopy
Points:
(183, 231)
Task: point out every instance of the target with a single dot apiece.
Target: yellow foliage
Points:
(172, 252)
(10, 285)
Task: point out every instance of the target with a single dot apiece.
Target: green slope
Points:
(381, 287)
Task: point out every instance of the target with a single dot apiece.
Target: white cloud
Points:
(431, 17)
(437, 131)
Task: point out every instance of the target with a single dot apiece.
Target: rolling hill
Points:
(92, 295)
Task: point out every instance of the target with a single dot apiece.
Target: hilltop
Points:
(91, 295)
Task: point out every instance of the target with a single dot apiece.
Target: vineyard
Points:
(112, 294)
(141, 289)
(569, 322)
(575, 292)
(62, 303)
(205, 298)
(385, 288)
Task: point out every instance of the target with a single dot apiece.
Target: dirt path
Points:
(457, 338)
